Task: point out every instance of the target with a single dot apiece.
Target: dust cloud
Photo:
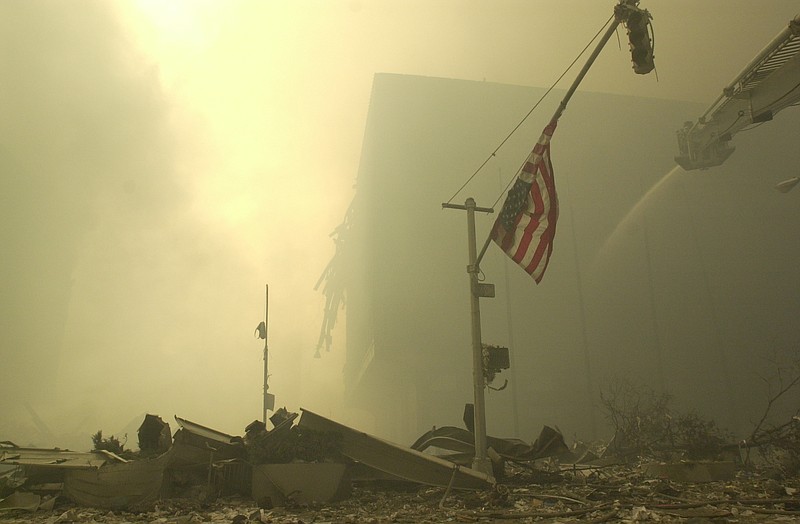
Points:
(127, 286)
(161, 162)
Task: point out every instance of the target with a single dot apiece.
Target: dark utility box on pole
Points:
(498, 358)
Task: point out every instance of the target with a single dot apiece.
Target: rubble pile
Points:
(615, 493)
(293, 445)
(320, 471)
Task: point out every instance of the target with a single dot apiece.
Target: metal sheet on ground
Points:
(117, 486)
(397, 460)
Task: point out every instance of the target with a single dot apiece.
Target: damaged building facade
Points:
(684, 282)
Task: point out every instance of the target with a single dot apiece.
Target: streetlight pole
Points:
(261, 332)
(266, 353)
(481, 461)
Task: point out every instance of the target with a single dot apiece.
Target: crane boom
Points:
(767, 85)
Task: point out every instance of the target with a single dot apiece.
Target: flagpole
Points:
(481, 461)
(563, 105)
(590, 61)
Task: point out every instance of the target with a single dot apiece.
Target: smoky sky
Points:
(156, 173)
(116, 297)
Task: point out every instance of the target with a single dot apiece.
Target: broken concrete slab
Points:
(400, 461)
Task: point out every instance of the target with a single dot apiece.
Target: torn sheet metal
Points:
(194, 444)
(194, 431)
(20, 500)
(131, 485)
(231, 476)
(55, 458)
(154, 434)
(26, 501)
(400, 461)
(550, 443)
(448, 437)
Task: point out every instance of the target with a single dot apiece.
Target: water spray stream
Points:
(638, 212)
(635, 211)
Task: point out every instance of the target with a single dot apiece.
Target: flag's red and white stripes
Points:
(527, 224)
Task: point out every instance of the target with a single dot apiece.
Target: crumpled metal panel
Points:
(194, 444)
(400, 461)
(56, 458)
(131, 485)
(206, 433)
(550, 443)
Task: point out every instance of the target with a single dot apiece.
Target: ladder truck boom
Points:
(767, 85)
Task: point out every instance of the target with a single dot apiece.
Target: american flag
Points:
(527, 223)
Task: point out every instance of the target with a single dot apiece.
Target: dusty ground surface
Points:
(611, 494)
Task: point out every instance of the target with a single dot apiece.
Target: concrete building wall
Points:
(681, 281)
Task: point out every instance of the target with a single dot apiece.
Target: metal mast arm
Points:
(585, 69)
(620, 14)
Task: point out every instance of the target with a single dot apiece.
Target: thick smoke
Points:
(117, 296)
